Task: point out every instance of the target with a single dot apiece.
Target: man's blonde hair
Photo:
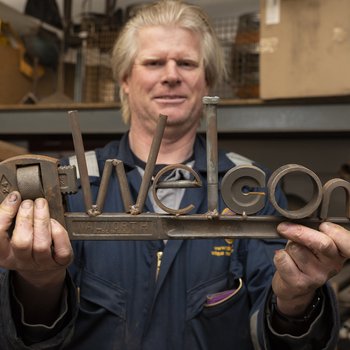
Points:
(166, 13)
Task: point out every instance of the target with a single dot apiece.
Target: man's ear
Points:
(125, 86)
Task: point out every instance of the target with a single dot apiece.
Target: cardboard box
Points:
(13, 84)
(304, 48)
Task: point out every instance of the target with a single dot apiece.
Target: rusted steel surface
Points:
(149, 169)
(80, 154)
(232, 188)
(311, 206)
(38, 176)
(243, 189)
(119, 226)
(210, 110)
(175, 184)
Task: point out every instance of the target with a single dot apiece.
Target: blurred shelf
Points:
(234, 116)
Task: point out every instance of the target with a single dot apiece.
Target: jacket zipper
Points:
(159, 262)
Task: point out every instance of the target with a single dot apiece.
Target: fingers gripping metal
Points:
(38, 176)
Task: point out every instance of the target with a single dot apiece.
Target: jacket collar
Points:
(123, 153)
(200, 156)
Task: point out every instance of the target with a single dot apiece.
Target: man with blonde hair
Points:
(178, 294)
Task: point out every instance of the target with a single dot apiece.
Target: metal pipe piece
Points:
(102, 191)
(124, 186)
(151, 161)
(80, 154)
(210, 114)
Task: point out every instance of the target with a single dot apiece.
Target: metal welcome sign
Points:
(241, 187)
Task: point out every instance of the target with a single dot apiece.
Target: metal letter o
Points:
(310, 207)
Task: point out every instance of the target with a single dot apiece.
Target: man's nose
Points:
(171, 73)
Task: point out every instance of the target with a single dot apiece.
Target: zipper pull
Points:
(159, 262)
(78, 294)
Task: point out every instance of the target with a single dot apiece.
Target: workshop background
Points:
(286, 99)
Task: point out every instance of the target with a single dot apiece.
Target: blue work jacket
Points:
(124, 303)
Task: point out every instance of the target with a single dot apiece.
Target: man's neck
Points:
(174, 148)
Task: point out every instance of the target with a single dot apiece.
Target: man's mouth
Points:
(170, 98)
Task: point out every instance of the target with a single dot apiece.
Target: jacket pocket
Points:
(218, 302)
(102, 313)
(223, 320)
(103, 294)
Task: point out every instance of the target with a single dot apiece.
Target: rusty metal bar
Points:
(151, 226)
(151, 161)
(210, 104)
(80, 154)
(124, 186)
(178, 184)
(102, 191)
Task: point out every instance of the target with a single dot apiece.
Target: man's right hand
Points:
(38, 249)
(38, 245)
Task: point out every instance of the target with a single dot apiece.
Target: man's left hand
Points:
(308, 261)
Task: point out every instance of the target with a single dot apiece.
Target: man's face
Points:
(167, 78)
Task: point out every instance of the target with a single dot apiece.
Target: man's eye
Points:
(154, 63)
(187, 64)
